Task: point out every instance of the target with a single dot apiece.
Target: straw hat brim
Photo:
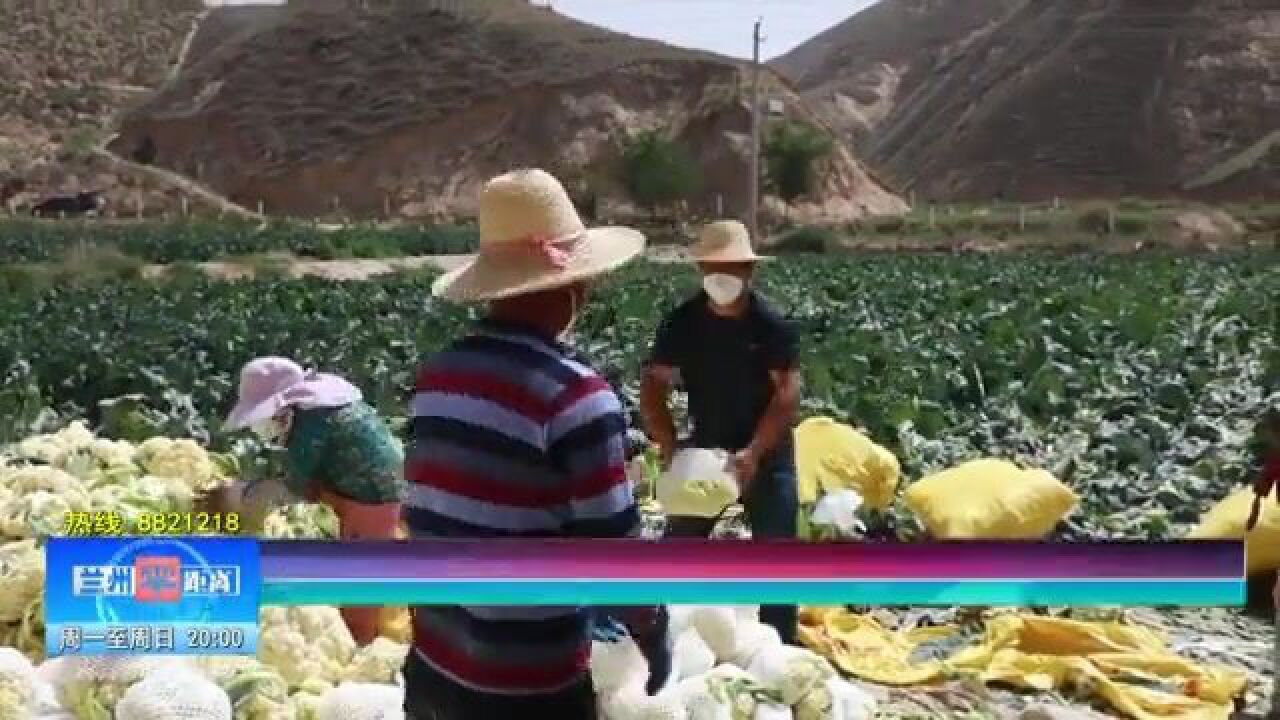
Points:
(600, 251)
(727, 256)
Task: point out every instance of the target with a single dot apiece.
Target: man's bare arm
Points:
(779, 416)
(655, 407)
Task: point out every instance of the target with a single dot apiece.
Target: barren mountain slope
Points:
(856, 73)
(1099, 98)
(406, 107)
(67, 67)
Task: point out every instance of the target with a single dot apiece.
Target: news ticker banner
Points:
(152, 595)
(201, 595)
(603, 572)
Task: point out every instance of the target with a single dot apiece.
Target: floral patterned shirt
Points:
(348, 450)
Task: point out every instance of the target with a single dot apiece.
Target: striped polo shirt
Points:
(513, 436)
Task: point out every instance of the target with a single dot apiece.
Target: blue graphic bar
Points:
(593, 591)
(151, 595)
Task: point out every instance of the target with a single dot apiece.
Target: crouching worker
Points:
(338, 452)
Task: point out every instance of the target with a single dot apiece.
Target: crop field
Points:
(1136, 379)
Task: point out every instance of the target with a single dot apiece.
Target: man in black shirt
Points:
(737, 360)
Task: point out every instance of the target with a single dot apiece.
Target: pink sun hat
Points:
(271, 384)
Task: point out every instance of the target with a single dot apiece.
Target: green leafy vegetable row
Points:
(202, 241)
(1135, 379)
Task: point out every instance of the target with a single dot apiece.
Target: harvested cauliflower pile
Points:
(728, 666)
(308, 666)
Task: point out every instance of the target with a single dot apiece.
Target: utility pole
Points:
(753, 221)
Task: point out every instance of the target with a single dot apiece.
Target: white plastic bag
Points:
(617, 665)
(838, 511)
(362, 701)
(698, 484)
(753, 638)
(769, 711)
(679, 618)
(173, 694)
(691, 656)
(718, 627)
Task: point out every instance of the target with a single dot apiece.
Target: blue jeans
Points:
(772, 503)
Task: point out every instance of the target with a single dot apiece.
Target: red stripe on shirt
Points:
(484, 489)
(486, 387)
(584, 387)
(599, 482)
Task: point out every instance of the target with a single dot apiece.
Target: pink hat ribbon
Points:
(555, 251)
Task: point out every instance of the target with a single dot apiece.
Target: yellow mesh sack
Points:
(990, 499)
(832, 456)
(1227, 519)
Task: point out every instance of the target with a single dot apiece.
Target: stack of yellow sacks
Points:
(1129, 667)
(982, 499)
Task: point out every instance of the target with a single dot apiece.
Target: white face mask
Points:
(723, 289)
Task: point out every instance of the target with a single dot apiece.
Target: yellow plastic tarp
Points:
(1115, 662)
(832, 456)
(990, 499)
(1227, 520)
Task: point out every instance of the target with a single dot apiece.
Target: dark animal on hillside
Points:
(89, 204)
(145, 153)
(10, 189)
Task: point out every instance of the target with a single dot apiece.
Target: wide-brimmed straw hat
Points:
(271, 384)
(532, 239)
(724, 241)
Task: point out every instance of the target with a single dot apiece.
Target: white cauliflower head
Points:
(17, 681)
(180, 459)
(37, 514)
(380, 661)
(307, 642)
(258, 692)
(22, 577)
(836, 699)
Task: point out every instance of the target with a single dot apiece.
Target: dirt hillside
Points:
(1030, 100)
(858, 72)
(67, 69)
(381, 107)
